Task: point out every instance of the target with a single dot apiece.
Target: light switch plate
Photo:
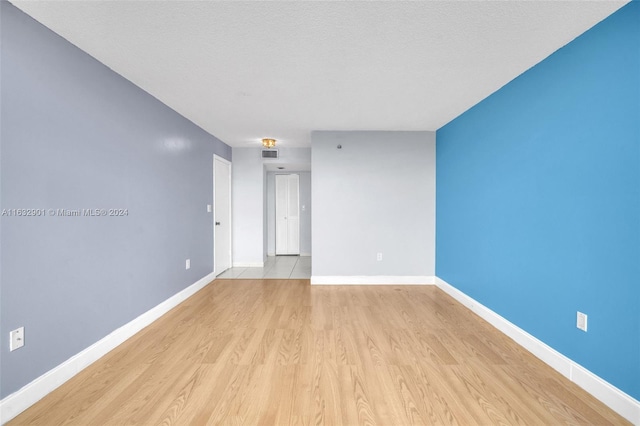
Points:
(17, 339)
(581, 321)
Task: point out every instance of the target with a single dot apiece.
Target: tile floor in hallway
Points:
(294, 267)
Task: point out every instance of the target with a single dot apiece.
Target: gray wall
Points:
(76, 135)
(376, 194)
(305, 216)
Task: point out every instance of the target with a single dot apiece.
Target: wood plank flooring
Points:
(280, 352)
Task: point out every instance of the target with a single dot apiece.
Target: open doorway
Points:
(254, 219)
(304, 211)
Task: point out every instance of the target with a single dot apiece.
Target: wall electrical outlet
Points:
(379, 257)
(187, 264)
(209, 208)
(581, 321)
(16, 339)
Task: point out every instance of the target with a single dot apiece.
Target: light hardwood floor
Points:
(278, 352)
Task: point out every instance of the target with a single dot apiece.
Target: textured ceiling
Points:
(247, 70)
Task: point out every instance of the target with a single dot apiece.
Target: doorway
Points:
(221, 215)
(287, 214)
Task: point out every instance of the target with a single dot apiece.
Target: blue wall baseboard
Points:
(617, 400)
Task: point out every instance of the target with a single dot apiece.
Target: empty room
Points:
(319, 212)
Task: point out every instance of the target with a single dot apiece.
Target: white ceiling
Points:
(247, 70)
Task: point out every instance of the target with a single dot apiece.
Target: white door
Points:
(221, 215)
(287, 214)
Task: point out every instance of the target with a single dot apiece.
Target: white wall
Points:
(375, 195)
(265, 234)
(305, 216)
(248, 207)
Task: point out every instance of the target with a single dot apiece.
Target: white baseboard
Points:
(248, 264)
(625, 405)
(622, 403)
(372, 280)
(17, 402)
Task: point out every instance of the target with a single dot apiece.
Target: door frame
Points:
(216, 270)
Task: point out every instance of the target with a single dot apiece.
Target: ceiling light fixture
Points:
(268, 143)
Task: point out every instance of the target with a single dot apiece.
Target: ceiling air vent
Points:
(269, 153)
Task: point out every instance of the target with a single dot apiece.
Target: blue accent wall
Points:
(76, 135)
(538, 200)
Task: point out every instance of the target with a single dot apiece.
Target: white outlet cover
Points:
(209, 208)
(581, 321)
(17, 339)
(187, 264)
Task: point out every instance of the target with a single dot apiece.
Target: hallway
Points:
(282, 267)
